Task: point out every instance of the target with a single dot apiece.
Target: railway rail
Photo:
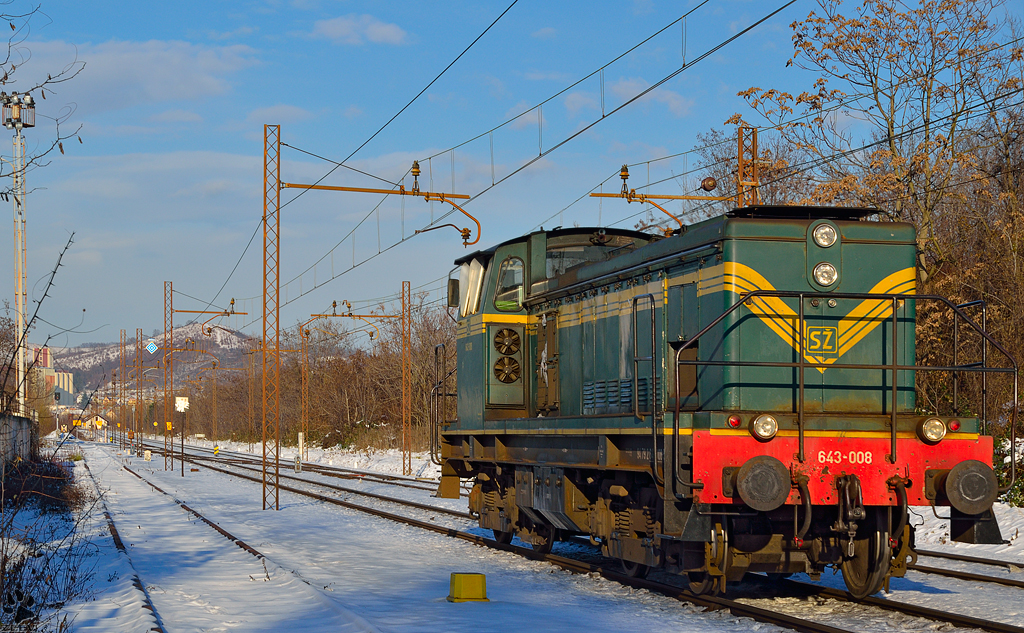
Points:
(119, 545)
(245, 458)
(340, 472)
(737, 608)
(205, 462)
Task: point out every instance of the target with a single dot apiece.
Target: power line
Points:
(639, 95)
(845, 103)
(572, 85)
(379, 130)
(406, 106)
(809, 165)
(675, 176)
(358, 171)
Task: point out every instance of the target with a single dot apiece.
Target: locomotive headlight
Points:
(764, 427)
(825, 274)
(932, 430)
(824, 235)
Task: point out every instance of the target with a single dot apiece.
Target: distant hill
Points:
(93, 363)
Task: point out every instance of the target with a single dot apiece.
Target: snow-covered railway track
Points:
(737, 608)
(956, 619)
(234, 459)
(147, 602)
(330, 471)
(206, 463)
(1010, 566)
(199, 581)
(757, 613)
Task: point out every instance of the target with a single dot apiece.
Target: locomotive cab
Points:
(738, 397)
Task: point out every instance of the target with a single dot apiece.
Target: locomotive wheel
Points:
(865, 572)
(503, 537)
(634, 570)
(701, 582)
(544, 539)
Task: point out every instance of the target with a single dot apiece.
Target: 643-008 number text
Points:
(838, 457)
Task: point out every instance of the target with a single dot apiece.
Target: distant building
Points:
(51, 378)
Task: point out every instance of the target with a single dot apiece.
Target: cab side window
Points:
(508, 296)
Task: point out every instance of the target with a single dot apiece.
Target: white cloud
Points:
(177, 116)
(536, 75)
(227, 35)
(497, 87)
(527, 119)
(676, 103)
(278, 113)
(576, 102)
(643, 7)
(352, 112)
(546, 33)
(354, 29)
(121, 74)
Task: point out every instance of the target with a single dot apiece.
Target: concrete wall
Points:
(15, 437)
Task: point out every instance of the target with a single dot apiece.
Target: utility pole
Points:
(122, 392)
(271, 315)
(138, 392)
(168, 373)
(19, 112)
(406, 326)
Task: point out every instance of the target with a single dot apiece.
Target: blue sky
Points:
(173, 97)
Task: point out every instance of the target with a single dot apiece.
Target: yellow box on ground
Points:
(468, 588)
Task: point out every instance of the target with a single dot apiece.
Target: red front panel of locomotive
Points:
(830, 456)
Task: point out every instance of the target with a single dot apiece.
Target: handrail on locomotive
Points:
(803, 364)
(438, 398)
(653, 360)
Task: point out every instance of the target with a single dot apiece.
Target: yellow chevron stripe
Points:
(870, 313)
(741, 279)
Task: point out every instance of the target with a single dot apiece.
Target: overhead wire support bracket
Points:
(427, 196)
(747, 181)
(406, 326)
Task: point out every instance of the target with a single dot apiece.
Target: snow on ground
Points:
(382, 576)
(981, 600)
(382, 461)
(329, 568)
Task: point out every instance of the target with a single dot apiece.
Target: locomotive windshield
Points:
(508, 297)
(471, 278)
(569, 251)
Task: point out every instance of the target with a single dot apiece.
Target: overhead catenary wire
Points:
(628, 102)
(490, 132)
(454, 147)
(840, 105)
(406, 106)
(361, 146)
(809, 165)
(548, 151)
(675, 176)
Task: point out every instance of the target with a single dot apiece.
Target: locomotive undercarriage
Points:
(623, 512)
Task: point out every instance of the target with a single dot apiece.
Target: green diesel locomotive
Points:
(736, 397)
